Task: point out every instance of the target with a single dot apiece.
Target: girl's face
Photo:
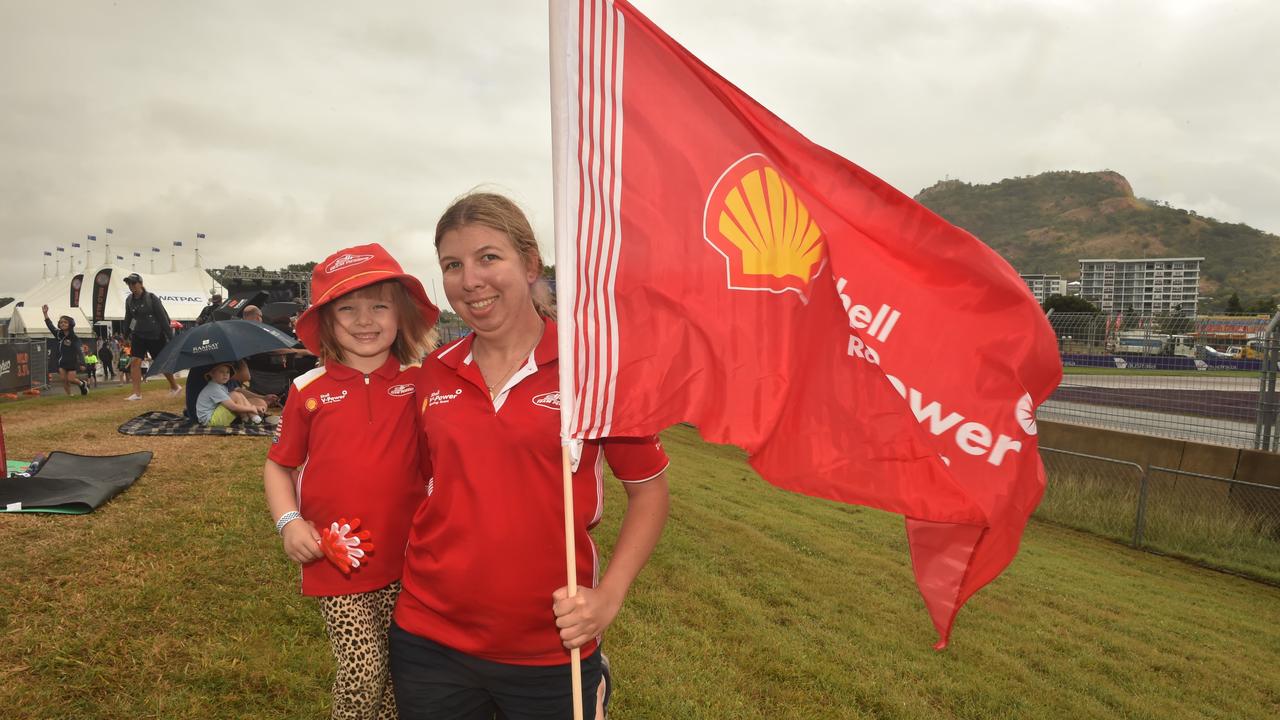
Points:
(365, 326)
(485, 279)
(63, 324)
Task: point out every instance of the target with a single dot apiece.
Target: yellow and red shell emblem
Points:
(765, 233)
(311, 404)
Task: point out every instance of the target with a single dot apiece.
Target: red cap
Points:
(351, 269)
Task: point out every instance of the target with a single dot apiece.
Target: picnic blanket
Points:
(157, 422)
(72, 484)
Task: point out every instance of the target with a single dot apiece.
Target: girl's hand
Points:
(301, 542)
(45, 309)
(585, 616)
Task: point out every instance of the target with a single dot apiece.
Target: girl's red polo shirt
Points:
(355, 439)
(487, 551)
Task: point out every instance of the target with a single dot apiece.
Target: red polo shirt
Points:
(355, 438)
(487, 551)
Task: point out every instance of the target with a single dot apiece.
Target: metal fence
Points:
(1223, 523)
(1206, 379)
(23, 364)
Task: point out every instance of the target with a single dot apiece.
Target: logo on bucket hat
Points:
(346, 261)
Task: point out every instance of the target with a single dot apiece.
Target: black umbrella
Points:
(216, 342)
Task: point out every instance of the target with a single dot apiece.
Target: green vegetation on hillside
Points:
(1047, 223)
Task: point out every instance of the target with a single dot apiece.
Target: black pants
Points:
(433, 682)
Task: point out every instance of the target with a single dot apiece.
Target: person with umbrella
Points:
(223, 341)
(219, 406)
(147, 323)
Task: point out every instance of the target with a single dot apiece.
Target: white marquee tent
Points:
(29, 321)
(184, 293)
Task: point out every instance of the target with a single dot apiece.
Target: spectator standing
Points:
(147, 323)
(107, 356)
(206, 315)
(91, 368)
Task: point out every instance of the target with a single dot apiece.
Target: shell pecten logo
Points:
(768, 239)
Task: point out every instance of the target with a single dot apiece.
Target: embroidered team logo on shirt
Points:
(400, 390)
(550, 401)
(328, 399)
(440, 398)
(311, 404)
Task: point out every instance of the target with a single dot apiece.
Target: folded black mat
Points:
(156, 422)
(73, 484)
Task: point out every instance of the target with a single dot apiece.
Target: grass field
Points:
(174, 601)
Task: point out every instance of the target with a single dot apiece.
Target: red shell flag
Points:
(715, 267)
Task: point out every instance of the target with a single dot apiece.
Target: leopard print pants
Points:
(357, 626)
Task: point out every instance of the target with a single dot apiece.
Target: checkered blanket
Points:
(156, 422)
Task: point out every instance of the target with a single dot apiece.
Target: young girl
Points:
(69, 356)
(349, 435)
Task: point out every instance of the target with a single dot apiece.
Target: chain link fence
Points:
(1219, 522)
(1206, 379)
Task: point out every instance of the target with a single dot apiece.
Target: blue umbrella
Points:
(216, 342)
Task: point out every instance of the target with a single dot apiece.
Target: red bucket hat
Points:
(352, 269)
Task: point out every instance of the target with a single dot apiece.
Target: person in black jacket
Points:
(147, 323)
(69, 356)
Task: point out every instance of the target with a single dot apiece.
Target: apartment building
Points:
(1145, 286)
(1042, 286)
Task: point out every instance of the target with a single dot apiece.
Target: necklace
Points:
(520, 360)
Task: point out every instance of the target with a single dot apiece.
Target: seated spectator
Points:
(239, 381)
(252, 313)
(217, 406)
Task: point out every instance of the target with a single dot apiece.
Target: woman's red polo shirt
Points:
(487, 549)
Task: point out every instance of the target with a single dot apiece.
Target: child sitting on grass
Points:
(219, 407)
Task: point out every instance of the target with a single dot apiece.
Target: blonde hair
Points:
(497, 212)
(413, 337)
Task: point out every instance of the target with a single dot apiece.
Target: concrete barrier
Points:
(1249, 465)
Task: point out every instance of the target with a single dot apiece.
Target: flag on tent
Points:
(109, 231)
(200, 236)
(48, 254)
(92, 237)
(61, 249)
(155, 249)
(137, 254)
(714, 266)
(120, 257)
(177, 243)
(75, 245)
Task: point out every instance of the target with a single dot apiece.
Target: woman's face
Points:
(485, 279)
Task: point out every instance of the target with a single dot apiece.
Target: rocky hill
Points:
(1046, 223)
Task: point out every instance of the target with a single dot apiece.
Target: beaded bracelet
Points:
(285, 519)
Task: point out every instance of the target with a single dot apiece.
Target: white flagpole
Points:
(563, 58)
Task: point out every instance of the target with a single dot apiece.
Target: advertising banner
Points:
(101, 282)
(76, 282)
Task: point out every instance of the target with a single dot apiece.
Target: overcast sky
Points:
(285, 130)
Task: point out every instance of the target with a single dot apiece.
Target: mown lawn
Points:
(174, 601)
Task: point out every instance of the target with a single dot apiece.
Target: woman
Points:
(484, 623)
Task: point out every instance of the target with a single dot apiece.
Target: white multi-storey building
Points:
(1042, 286)
(1146, 286)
